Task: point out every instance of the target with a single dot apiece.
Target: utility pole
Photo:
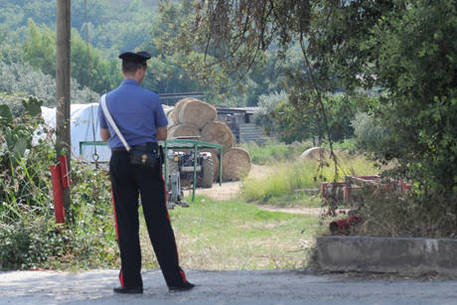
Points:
(63, 139)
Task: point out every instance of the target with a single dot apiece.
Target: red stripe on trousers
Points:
(121, 278)
(183, 275)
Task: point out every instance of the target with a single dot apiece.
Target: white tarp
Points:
(84, 127)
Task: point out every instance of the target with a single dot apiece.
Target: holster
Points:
(145, 155)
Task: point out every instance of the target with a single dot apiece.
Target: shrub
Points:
(370, 134)
(267, 106)
(392, 214)
(29, 237)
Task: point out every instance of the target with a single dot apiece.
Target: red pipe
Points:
(57, 192)
(64, 171)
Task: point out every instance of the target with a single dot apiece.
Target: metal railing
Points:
(174, 144)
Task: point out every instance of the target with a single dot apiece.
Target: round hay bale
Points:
(196, 112)
(169, 115)
(314, 153)
(236, 163)
(219, 133)
(182, 130)
(175, 115)
(215, 155)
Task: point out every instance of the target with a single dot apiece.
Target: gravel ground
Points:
(222, 287)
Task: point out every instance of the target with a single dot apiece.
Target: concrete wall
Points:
(378, 254)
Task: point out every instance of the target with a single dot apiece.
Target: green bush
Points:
(267, 106)
(30, 240)
(29, 236)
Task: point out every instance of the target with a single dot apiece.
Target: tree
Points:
(416, 63)
(405, 47)
(88, 67)
(40, 49)
(19, 81)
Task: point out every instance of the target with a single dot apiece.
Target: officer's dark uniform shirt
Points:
(136, 112)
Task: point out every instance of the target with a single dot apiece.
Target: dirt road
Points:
(231, 190)
(221, 287)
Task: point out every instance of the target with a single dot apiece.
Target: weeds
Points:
(412, 215)
(275, 152)
(29, 237)
(290, 179)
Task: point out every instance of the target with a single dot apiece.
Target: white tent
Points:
(84, 128)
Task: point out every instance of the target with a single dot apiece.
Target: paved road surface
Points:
(221, 287)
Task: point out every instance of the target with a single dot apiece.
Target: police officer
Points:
(140, 118)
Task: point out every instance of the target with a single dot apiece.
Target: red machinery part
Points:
(64, 171)
(57, 192)
(344, 225)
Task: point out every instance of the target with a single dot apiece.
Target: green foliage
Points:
(6, 117)
(280, 116)
(40, 48)
(369, 133)
(396, 214)
(275, 152)
(268, 106)
(29, 236)
(29, 241)
(416, 48)
(87, 65)
(90, 69)
(289, 179)
(23, 186)
(113, 25)
(19, 80)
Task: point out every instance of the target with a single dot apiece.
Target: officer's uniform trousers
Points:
(128, 181)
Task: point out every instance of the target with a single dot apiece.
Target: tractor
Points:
(186, 166)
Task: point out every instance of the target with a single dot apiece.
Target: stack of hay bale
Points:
(193, 118)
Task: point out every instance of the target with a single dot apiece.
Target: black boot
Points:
(183, 287)
(123, 289)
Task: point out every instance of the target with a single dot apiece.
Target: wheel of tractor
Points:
(205, 177)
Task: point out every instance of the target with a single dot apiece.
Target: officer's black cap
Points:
(137, 57)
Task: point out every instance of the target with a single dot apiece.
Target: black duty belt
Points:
(150, 146)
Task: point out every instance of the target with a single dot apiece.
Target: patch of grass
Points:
(289, 181)
(273, 152)
(346, 144)
(235, 235)
(298, 198)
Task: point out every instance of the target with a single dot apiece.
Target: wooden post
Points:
(63, 139)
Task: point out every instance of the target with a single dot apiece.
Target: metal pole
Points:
(195, 172)
(220, 166)
(165, 154)
(63, 139)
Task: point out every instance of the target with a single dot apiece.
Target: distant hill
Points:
(113, 24)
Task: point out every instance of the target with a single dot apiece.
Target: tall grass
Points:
(289, 178)
(273, 152)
